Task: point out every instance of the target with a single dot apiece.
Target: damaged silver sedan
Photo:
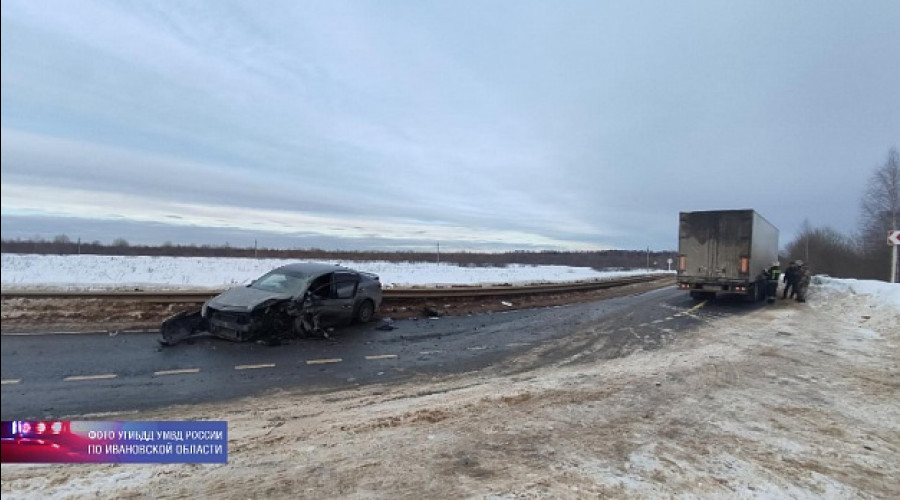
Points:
(296, 300)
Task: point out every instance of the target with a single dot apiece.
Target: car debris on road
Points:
(387, 324)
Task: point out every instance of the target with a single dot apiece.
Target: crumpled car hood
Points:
(244, 299)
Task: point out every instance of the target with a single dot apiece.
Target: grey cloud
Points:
(575, 121)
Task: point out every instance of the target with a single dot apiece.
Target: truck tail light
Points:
(682, 263)
(744, 266)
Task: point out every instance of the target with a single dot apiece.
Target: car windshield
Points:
(280, 283)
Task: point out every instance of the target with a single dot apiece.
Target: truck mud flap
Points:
(181, 326)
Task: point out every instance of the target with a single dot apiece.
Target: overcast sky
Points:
(479, 125)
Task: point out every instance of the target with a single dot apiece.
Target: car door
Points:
(343, 299)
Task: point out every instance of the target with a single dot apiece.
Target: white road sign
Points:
(894, 237)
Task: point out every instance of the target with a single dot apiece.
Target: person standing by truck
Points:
(790, 280)
(803, 277)
(773, 276)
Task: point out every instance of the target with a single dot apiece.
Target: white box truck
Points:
(725, 252)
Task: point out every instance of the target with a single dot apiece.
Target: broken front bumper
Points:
(181, 326)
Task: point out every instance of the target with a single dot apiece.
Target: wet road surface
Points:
(70, 375)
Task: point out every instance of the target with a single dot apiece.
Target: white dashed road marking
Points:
(254, 367)
(76, 378)
(11, 381)
(426, 353)
(323, 361)
(176, 372)
(382, 356)
(518, 344)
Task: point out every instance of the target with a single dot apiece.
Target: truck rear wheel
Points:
(760, 291)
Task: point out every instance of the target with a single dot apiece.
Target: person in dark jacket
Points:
(790, 280)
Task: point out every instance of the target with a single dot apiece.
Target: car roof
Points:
(311, 268)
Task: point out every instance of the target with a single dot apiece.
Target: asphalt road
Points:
(82, 375)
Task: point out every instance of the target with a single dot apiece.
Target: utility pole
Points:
(894, 265)
(648, 259)
(439, 252)
(894, 241)
(806, 231)
(255, 250)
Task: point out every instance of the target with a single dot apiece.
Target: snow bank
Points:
(879, 291)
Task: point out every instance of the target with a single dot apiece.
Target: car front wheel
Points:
(365, 312)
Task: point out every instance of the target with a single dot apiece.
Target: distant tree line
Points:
(866, 254)
(602, 259)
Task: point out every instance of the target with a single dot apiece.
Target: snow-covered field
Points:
(101, 271)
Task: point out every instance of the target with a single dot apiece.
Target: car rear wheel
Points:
(365, 312)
